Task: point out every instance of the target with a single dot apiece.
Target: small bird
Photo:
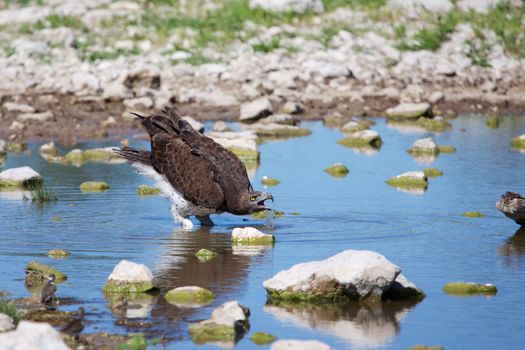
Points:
(47, 294)
(199, 176)
(75, 326)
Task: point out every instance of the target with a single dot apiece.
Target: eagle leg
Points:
(186, 223)
(205, 220)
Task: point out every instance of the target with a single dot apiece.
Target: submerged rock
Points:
(473, 214)
(353, 126)
(349, 275)
(434, 124)
(250, 235)
(518, 142)
(144, 190)
(513, 206)
(38, 273)
(269, 181)
(446, 149)
(261, 338)
(190, 296)
(410, 179)
(227, 323)
(292, 344)
(6, 323)
(20, 178)
(467, 288)
(33, 335)
(58, 253)
(129, 277)
(432, 172)
(424, 146)
(337, 170)
(94, 186)
(409, 111)
(362, 138)
(205, 254)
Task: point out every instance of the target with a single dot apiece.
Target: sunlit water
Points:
(424, 234)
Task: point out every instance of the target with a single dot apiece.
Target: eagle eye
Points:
(252, 198)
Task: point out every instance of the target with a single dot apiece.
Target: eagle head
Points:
(253, 201)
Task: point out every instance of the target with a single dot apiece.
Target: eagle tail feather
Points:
(134, 155)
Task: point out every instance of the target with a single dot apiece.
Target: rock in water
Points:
(409, 111)
(129, 277)
(32, 335)
(349, 275)
(250, 235)
(256, 109)
(19, 178)
(189, 296)
(513, 206)
(363, 138)
(227, 323)
(291, 344)
(410, 179)
(424, 146)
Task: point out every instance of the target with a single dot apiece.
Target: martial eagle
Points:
(198, 175)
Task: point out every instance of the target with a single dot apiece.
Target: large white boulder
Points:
(352, 274)
(19, 178)
(409, 111)
(298, 6)
(32, 335)
(256, 109)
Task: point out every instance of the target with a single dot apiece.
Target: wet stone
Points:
(409, 111)
(492, 122)
(518, 142)
(424, 146)
(129, 277)
(250, 235)
(20, 178)
(190, 296)
(432, 172)
(58, 253)
(205, 254)
(446, 149)
(370, 138)
(94, 186)
(261, 338)
(337, 170)
(269, 181)
(38, 273)
(469, 288)
(410, 179)
(144, 190)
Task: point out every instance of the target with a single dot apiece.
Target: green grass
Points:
(55, 20)
(478, 52)
(110, 55)
(267, 47)
(42, 196)
(197, 60)
(10, 310)
(366, 4)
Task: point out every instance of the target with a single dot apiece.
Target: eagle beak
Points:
(267, 196)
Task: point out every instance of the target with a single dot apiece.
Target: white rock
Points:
(194, 124)
(127, 271)
(409, 110)
(298, 6)
(23, 14)
(180, 55)
(18, 107)
(425, 145)
(359, 273)
(21, 174)
(256, 109)
(29, 47)
(229, 313)
(249, 233)
(430, 5)
(6, 323)
(109, 122)
(326, 69)
(220, 126)
(284, 119)
(39, 117)
(16, 126)
(293, 108)
(116, 91)
(139, 103)
(48, 149)
(366, 135)
(436, 97)
(292, 344)
(32, 335)
(418, 175)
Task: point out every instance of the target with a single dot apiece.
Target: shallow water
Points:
(424, 234)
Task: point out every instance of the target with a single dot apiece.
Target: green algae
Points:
(473, 214)
(205, 254)
(30, 184)
(433, 124)
(37, 273)
(261, 338)
(446, 149)
(144, 190)
(423, 151)
(58, 253)
(210, 332)
(469, 288)
(269, 181)
(407, 182)
(266, 240)
(264, 213)
(94, 186)
(122, 287)
(432, 172)
(518, 142)
(337, 170)
(190, 297)
(360, 142)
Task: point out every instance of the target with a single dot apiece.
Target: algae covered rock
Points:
(75, 156)
(353, 126)
(468, 288)
(410, 179)
(144, 190)
(446, 149)
(349, 275)
(264, 214)
(205, 254)
(432, 172)
(48, 150)
(409, 111)
(274, 130)
(434, 124)
(261, 338)
(190, 296)
(227, 323)
(337, 170)
(37, 273)
(129, 277)
(250, 235)
(269, 181)
(473, 214)
(19, 179)
(424, 146)
(363, 138)
(518, 142)
(513, 206)
(58, 253)
(94, 186)
(292, 344)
